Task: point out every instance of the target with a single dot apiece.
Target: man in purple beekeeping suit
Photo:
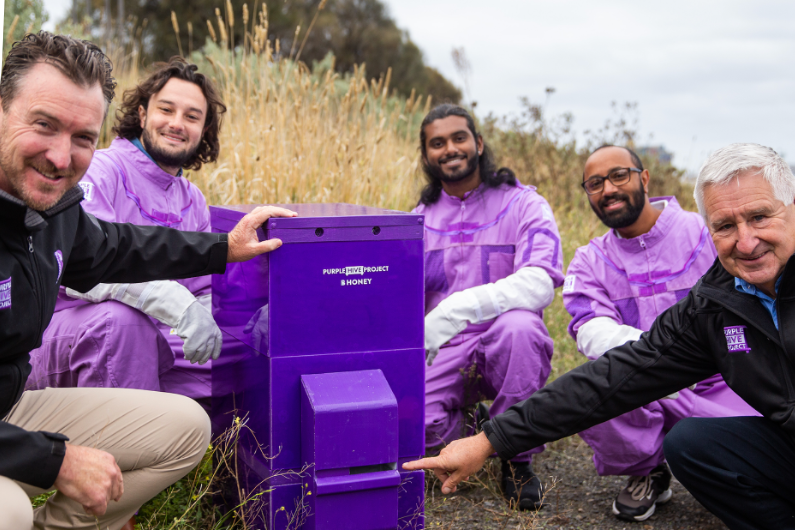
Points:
(615, 287)
(492, 262)
(131, 335)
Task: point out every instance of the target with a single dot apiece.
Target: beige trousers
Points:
(156, 438)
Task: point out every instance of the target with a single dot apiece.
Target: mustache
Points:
(48, 169)
(452, 157)
(615, 196)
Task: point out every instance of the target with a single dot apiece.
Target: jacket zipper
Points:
(36, 282)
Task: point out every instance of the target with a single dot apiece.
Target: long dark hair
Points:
(489, 174)
(129, 125)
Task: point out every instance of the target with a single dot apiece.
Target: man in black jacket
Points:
(125, 445)
(738, 320)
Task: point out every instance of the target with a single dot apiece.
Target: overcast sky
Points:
(704, 74)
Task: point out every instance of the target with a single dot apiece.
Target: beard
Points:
(165, 157)
(15, 176)
(435, 172)
(625, 217)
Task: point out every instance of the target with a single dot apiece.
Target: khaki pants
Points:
(156, 438)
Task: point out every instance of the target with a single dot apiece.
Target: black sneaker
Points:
(520, 486)
(638, 500)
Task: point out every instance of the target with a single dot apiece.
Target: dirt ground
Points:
(577, 498)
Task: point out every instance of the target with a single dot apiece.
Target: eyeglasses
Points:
(617, 177)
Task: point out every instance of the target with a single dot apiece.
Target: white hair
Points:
(728, 162)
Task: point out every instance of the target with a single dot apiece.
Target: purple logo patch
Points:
(735, 339)
(59, 259)
(5, 294)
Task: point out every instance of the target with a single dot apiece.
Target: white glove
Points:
(167, 302)
(529, 288)
(202, 337)
(600, 334)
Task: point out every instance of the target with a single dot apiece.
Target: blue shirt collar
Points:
(767, 302)
(745, 287)
(137, 143)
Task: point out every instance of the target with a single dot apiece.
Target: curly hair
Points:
(489, 174)
(81, 61)
(129, 124)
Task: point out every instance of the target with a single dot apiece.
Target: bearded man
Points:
(492, 262)
(124, 445)
(615, 287)
(168, 123)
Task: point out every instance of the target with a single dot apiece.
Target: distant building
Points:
(658, 152)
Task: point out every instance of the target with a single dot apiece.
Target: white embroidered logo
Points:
(88, 190)
(568, 285)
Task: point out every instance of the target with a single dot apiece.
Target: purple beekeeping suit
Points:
(490, 234)
(124, 185)
(632, 281)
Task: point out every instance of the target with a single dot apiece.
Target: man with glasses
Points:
(167, 123)
(615, 287)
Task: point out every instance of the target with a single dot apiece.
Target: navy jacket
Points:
(714, 329)
(39, 252)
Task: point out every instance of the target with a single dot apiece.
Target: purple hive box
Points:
(323, 359)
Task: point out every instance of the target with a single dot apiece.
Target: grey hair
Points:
(727, 162)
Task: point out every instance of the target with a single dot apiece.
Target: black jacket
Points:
(714, 329)
(39, 251)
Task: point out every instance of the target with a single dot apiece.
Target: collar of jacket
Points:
(717, 285)
(129, 155)
(660, 230)
(15, 210)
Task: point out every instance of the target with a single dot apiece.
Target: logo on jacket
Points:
(735, 339)
(5, 294)
(88, 190)
(59, 259)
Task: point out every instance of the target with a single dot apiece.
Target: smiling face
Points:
(451, 151)
(173, 124)
(49, 134)
(753, 232)
(616, 206)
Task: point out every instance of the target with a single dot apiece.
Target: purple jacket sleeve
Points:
(538, 239)
(584, 295)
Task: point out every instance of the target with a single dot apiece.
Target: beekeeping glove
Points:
(170, 303)
(529, 288)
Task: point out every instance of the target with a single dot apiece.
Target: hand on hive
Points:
(202, 337)
(457, 461)
(243, 241)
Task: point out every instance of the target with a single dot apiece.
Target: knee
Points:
(188, 420)
(16, 512)
(522, 324)
(685, 443)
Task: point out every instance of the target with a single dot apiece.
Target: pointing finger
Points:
(423, 463)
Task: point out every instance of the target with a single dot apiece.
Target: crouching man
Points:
(492, 262)
(168, 123)
(615, 287)
(738, 320)
(124, 446)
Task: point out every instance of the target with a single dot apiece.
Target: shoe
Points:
(638, 500)
(129, 525)
(520, 486)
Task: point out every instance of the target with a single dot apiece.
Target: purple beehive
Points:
(323, 359)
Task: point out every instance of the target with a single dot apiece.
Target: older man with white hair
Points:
(738, 320)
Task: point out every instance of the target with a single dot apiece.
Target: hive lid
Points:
(325, 215)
